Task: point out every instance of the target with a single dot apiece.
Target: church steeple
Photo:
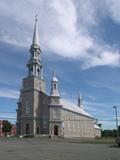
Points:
(80, 102)
(35, 35)
(34, 64)
(54, 86)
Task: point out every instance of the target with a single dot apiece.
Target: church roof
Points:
(96, 126)
(55, 79)
(74, 108)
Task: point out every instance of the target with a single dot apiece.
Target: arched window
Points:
(55, 86)
(38, 71)
(31, 71)
(27, 107)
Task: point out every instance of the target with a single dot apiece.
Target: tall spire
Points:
(35, 63)
(35, 35)
(54, 78)
(80, 103)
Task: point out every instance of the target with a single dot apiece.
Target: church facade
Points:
(39, 113)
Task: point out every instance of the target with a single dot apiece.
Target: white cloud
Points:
(104, 58)
(65, 14)
(87, 12)
(114, 9)
(8, 93)
(65, 27)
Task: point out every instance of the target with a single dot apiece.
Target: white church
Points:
(39, 113)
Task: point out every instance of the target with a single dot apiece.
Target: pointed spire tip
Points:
(79, 94)
(54, 78)
(54, 73)
(35, 34)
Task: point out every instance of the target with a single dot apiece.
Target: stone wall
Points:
(76, 125)
(97, 132)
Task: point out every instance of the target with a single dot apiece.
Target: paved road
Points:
(44, 149)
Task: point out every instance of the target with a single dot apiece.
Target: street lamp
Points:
(115, 107)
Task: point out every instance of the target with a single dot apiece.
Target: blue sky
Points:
(79, 39)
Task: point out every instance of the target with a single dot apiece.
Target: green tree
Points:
(119, 130)
(109, 133)
(7, 126)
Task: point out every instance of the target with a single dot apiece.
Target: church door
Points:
(27, 129)
(37, 130)
(56, 130)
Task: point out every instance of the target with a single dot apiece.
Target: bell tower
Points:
(33, 101)
(54, 94)
(35, 78)
(55, 122)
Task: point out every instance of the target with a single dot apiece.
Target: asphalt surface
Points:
(47, 149)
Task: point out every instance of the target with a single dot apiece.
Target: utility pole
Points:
(116, 114)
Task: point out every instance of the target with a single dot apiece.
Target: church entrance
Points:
(37, 130)
(27, 129)
(56, 130)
